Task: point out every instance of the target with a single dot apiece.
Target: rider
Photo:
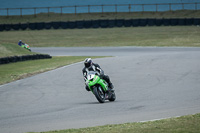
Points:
(90, 66)
(20, 43)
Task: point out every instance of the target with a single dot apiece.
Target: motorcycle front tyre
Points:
(99, 94)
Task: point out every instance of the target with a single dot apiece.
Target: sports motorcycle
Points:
(26, 46)
(99, 87)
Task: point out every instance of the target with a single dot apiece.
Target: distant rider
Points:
(90, 66)
(20, 43)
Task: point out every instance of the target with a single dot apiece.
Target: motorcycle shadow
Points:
(106, 102)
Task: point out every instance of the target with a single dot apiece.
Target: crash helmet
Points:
(20, 40)
(88, 62)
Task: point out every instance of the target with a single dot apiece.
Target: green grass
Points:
(184, 124)
(13, 50)
(124, 36)
(14, 71)
(44, 17)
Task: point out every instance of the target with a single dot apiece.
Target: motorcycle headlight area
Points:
(90, 77)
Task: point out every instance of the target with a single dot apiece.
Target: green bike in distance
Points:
(99, 87)
(26, 46)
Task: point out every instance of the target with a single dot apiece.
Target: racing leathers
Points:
(95, 67)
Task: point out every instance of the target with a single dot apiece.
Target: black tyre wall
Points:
(55, 25)
(6, 60)
(136, 22)
(101, 24)
(47, 25)
(32, 26)
(7, 27)
(128, 23)
(111, 23)
(119, 22)
(1, 27)
(24, 26)
(95, 24)
(143, 22)
(40, 26)
(16, 26)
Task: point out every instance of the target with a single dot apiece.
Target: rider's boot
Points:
(111, 86)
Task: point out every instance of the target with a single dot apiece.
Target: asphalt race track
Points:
(150, 83)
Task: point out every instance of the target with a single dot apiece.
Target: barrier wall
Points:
(159, 22)
(101, 24)
(55, 25)
(87, 24)
(197, 21)
(23, 26)
(12, 59)
(111, 23)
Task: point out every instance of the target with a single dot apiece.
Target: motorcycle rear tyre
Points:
(112, 97)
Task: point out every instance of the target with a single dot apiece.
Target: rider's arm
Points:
(98, 68)
(84, 74)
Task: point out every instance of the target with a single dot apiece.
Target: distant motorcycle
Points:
(26, 46)
(99, 87)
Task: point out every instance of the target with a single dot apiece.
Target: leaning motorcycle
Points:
(99, 87)
(26, 46)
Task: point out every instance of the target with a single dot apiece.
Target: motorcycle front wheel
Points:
(99, 94)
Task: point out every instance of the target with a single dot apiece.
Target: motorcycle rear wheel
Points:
(112, 97)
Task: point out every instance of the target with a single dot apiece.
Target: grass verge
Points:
(124, 36)
(13, 50)
(184, 124)
(15, 71)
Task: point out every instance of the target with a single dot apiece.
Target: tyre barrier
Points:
(40, 26)
(174, 22)
(24, 26)
(197, 21)
(12, 59)
(111, 23)
(55, 25)
(128, 23)
(80, 24)
(95, 24)
(166, 22)
(16, 26)
(87, 24)
(136, 22)
(7, 27)
(47, 25)
(181, 21)
(119, 22)
(101, 24)
(32, 26)
(189, 21)
(159, 22)
(72, 25)
(63, 25)
(2, 27)
(143, 22)
(151, 22)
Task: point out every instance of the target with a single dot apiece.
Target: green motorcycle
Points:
(99, 87)
(26, 46)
